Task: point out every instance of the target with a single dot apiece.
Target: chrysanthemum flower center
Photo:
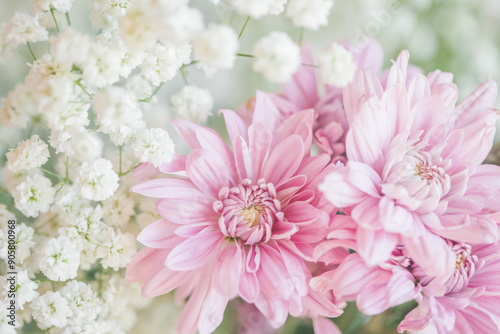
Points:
(252, 214)
(465, 266)
(248, 211)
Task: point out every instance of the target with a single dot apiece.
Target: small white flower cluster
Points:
(337, 65)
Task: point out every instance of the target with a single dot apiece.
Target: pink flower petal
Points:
(375, 246)
(284, 160)
(160, 234)
(196, 251)
(167, 188)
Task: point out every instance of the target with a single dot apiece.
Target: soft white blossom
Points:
(277, 57)
(18, 108)
(337, 65)
(163, 62)
(182, 27)
(70, 46)
(51, 309)
(97, 179)
(118, 114)
(34, 195)
(77, 142)
(103, 65)
(23, 242)
(192, 103)
(62, 6)
(118, 209)
(258, 8)
(215, 48)
(137, 29)
(30, 153)
(59, 259)
(154, 146)
(310, 14)
(68, 202)
(116, 249)
(23, 28)
(82, 301)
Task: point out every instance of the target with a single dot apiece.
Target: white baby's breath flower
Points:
(154, 146)
(34, 195)
(68, 202)
(118, 114)
(62, 6)
(30, 153)
(97, 179)
(180, 28)
(310, 14)
(116, 249)
(192, 103)
(118, 209)
(163, 62)
(19, 107)
(215, 48)
(70, 46)
(51, 309)
(103, 65)
(137, 29)
(337, 65)
(23, 28)
(23, 242)
(82, 301)
(258, 8)
(59, 259)
(25, 288)
(77, 142)
(276, 56)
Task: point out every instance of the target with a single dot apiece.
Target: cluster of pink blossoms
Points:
(395, 207)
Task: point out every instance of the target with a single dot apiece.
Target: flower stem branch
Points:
(244, 55)
(51, 173)
(67, 19)
(130, 170)
(244, 26)
(148, 99)
(301, 36)
(82, 87)
(54, 17)
(31, 51)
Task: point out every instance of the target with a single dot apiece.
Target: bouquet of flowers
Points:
(348, 192)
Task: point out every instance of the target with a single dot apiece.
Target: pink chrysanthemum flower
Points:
(466, 302)
(306, 91)
(241, 222)
(414, 172)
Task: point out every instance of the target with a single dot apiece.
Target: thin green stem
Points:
(66, 165)
(120, 171)
(67, 19)
(31, 51)
(148, 99)
(244, 26)
(301, 35)
(191, 63)
(38, 228)
(54, 17)
(184, 76)
(53, 286)
(244, 55)
(82, 87)
(130, 170)
(51, 173)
